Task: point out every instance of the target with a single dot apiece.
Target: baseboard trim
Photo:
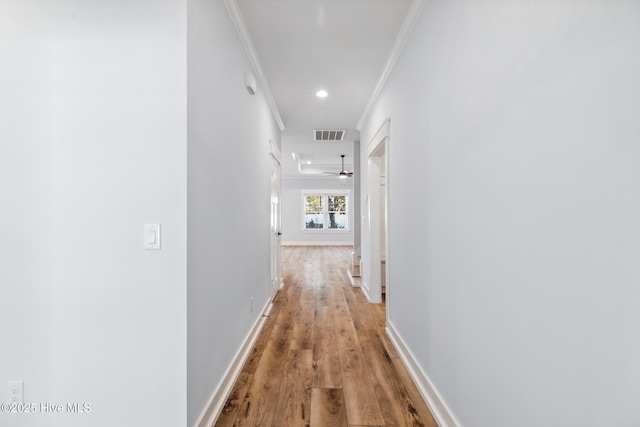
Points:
(365, 289)
(219, 397)
(310, 243)
(356, 281)
(439, 409)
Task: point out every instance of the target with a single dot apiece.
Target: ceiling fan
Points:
(343, 173)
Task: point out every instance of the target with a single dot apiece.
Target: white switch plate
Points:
(152, 236)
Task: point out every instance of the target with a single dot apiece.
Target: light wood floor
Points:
(322, 358)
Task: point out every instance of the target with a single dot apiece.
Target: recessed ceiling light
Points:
(322, 93)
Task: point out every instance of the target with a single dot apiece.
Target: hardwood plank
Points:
(399, 407)
(258, 409)
(234, 402)
(340, 308)
(262, 394)
(353, 295)
(327, 408)
(325, 294)
(302, 337)
(326, 363)
(363, 317)
(414, 394)
(388, 345)
(360, 398)
(294, 400)
(379, 314)
(294, 294)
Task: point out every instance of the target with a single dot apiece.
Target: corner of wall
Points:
(214, 407)
(438, 407)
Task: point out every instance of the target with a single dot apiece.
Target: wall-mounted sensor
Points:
(250, 83)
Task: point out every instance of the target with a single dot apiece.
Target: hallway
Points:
(322, 358)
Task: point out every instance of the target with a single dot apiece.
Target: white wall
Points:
(228, 200)
(292, 232)
(93, 146)
(514, 180)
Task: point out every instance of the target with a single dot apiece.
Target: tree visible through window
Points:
(314, 213)
(337, 211)
(325, 212)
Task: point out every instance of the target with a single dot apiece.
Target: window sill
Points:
(326, 231)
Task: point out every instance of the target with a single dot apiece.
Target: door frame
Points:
(276, 281)
(377, 152)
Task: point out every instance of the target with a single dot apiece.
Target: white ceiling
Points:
(306, 45)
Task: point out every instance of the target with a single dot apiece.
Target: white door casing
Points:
(377, 153)
(276, 220)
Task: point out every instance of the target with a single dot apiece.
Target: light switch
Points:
(152, 236)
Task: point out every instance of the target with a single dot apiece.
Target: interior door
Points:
(276, 226)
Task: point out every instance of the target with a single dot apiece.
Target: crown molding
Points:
(310, 176)
(396, 49)
(247, 43)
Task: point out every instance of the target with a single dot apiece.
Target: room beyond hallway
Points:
(322, 358)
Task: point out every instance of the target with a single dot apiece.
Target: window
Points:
(325, 210)
(314, 212)
(337, 209)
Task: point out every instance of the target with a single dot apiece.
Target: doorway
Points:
(378, 212)
(276, 220)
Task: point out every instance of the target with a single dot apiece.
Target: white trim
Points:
(315, 243)
(356, 282)
(365, 288)
(325, 231)
(216, 403)
(311, 176)
(438, 407)
(247, 43)
(384, 131)
(326, 192)
(378, 147)
(275, 152)
(401, 39)
(275, 229)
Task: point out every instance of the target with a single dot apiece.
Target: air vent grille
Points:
(329, 135)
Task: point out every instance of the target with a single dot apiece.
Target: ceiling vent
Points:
(329, 135)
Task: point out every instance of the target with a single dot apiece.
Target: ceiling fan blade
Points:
(343, 173)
